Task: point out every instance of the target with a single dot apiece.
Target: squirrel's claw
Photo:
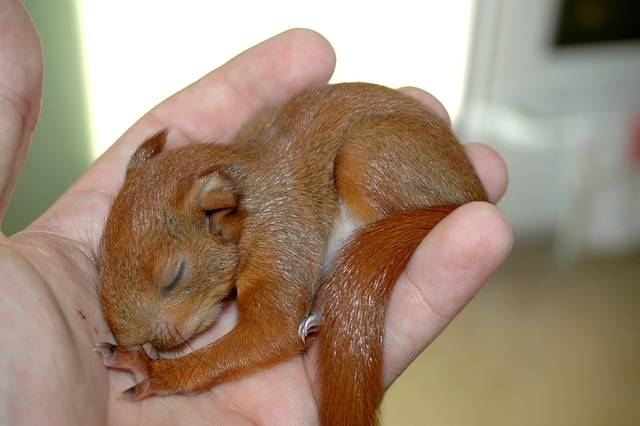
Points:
(309, 326)
(133, 359)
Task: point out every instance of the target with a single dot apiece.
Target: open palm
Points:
(50, 318)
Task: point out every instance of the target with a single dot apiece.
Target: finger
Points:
(213, 107)
(429, 101)
(488, 164)
(445, 272)
(267, 74)
(20, 90)
(491, 169)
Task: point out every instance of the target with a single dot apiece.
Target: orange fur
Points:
(353, 299)
(263, 217)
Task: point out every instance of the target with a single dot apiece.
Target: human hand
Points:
(49, 311)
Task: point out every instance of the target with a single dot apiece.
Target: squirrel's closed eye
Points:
(176, 278)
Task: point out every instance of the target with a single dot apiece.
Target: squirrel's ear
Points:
(217, 192)
(218, 198)
(151, 147)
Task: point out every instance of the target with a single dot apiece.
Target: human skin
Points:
(49, 313)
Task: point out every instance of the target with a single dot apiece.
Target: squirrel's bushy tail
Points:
(353, 299)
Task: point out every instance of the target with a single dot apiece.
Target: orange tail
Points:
(354, 297)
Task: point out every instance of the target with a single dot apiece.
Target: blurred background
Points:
(553, 85)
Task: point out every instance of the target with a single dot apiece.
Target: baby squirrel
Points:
(309, 216)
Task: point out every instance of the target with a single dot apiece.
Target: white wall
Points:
(563, 119)
(139, 52)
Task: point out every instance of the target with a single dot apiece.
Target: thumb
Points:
(444, 274)
(20, 92)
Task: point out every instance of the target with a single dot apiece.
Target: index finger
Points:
(213, 107)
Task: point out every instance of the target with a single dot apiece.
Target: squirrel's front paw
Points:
(133, 359)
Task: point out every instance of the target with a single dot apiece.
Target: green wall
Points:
(61, 146)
